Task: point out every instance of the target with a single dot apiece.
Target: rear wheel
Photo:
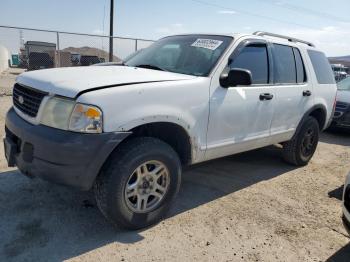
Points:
(136, 186)
(302, 147)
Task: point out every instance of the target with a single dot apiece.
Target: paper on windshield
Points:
(211, 44)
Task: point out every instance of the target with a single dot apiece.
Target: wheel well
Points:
(320, 116)
(170, 133)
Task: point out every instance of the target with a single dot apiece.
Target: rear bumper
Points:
(58, 156)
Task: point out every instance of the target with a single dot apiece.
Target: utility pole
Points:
(111, 32)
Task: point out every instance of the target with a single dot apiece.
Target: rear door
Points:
(292, 88)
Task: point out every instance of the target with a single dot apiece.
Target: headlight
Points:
(86, 118)
(68, 115)
(57, 112)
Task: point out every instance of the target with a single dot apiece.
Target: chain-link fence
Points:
(36, 49)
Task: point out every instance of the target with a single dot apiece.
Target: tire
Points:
(298, 151)
(130, 160)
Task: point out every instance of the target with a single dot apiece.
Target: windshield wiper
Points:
(148, 66)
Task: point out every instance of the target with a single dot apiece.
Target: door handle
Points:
(265, 96)
(307, 93)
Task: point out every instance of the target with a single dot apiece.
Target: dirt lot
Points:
(7, 78)
(247, 207)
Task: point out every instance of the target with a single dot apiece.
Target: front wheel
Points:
(138, 183)
(302, 147)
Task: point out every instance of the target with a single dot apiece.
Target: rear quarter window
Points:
(299, 65)
(322, 68)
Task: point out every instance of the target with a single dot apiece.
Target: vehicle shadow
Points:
(336, 136)
(39, 220)
(336, 193)
(342, 255)
(211, 180)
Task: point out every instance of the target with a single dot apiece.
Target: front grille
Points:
(27, 100)
(340, 109)
(341, 106)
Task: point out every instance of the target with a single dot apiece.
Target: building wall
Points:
(4, 58)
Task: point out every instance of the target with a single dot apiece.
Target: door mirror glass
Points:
(236, 77)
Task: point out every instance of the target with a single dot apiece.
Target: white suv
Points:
(127, 130)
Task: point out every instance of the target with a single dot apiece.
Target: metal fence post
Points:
(58, 50)
(59, 58)
(111, 31)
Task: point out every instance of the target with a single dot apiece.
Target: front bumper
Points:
(59, 156)
(341, 118)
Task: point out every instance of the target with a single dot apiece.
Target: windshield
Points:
(344, 84)
(190, 54)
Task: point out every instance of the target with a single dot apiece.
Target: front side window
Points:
(254, 58)
(284, 69)
(189, 54)
(322, 68)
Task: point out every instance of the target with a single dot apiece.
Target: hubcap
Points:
(147, 186)
(308, 142)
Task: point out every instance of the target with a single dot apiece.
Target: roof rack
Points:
(290, 39)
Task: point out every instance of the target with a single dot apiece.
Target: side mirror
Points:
(236, 77)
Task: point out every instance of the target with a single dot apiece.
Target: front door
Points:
(240, 117)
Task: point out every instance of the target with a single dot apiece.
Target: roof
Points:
(276, 38)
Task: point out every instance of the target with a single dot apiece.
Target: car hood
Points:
(343, 96)
(70, 81)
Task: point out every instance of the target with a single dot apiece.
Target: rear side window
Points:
(284, 70)
(322, 68)
(299, 65)
(254, 58)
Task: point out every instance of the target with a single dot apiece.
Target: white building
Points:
(4, 58)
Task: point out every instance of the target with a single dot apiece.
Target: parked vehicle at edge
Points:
(340, 72)
(86, 60)
(346, 204)
(37, 60)
(127, 131)
(119, 62)
(341, 116)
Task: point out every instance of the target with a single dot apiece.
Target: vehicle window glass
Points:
(284, 72)
(168, 55)
(322, 68)
(344, 84)
(299, 64)
(255, 59)
(188, 54)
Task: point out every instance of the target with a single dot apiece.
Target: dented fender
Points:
(183, 102)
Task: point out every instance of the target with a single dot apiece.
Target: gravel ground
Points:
(7, 80)
(246, 207)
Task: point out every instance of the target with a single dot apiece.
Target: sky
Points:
(323, 22)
